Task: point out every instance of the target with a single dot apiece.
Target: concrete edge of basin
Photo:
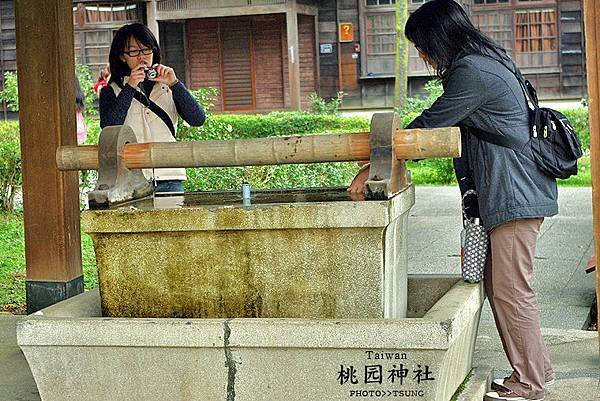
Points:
(54, 326)
(259, 217)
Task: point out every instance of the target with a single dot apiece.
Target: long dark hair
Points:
(442, 30)
(79, 96)
(142, 35)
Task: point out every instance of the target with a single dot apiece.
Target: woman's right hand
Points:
(137, 75)
(358, 183)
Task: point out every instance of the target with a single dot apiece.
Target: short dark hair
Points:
(142, 35)
(442, 30)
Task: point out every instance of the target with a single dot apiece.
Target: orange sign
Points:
(346, 32)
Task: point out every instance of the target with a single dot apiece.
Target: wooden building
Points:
(267, 55)
(545, 37)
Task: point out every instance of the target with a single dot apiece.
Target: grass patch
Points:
(12, 263)
(462, 386)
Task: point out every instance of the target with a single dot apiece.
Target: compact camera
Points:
(150, 73)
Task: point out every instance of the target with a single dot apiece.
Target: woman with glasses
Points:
(483, 97)
(147, 96)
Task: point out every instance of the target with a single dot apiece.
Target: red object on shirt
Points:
(99, 85)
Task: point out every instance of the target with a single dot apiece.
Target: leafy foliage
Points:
(417, 104)
(10, 164)
(220, 127)
(318, 105)
(10, 94)
(87, 81)
(579, 119)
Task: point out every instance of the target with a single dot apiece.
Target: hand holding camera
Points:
(157, 73)
(161, 73)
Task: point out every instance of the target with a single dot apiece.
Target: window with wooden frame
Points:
(482, 2)
(92, 47)
(371, 3)
(536, 38)
(380, 28)
(497, 25)
(95, 25)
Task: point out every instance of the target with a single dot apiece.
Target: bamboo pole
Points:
(408, 144)
(591, 9)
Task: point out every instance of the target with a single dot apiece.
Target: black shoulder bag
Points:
(554, 142)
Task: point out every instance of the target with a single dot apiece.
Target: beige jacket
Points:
(148, 127)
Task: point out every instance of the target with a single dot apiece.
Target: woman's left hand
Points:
(165, 74)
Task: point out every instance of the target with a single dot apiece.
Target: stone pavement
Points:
(565, 294)
(565, 291)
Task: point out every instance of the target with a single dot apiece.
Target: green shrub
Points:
(417, 104)
(220, 127)
(10, 164)
(318, 105)
(10, 94)
(206, 97)
(87, 81)
(231, 126)
(579, 118)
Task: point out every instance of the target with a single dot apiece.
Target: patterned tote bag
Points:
(474, 245)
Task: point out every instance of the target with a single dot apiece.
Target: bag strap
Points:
(156, 109)
(530, 96)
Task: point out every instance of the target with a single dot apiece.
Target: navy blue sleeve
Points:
(187, 107)
(113, 109)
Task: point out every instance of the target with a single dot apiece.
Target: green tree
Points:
(10, 94)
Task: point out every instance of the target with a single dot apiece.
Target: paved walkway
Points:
(565, 294)
(565, 291)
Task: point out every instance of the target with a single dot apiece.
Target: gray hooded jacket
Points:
(484, 98)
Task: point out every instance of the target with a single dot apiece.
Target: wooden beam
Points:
(592, 38)
(407, 145)
(47, 121)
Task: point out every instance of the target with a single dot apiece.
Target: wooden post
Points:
(592, 39)
(291, 19)
(47, 121)
(151, 20)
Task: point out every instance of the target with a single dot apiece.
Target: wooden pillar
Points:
(151, 20)
(47, 120)
(592, 38)
(291, 18)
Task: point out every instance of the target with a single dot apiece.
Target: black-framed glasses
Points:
(135, 53)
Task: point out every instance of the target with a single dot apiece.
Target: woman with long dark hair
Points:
(485, 99)
(147, 96)
(79, 109)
